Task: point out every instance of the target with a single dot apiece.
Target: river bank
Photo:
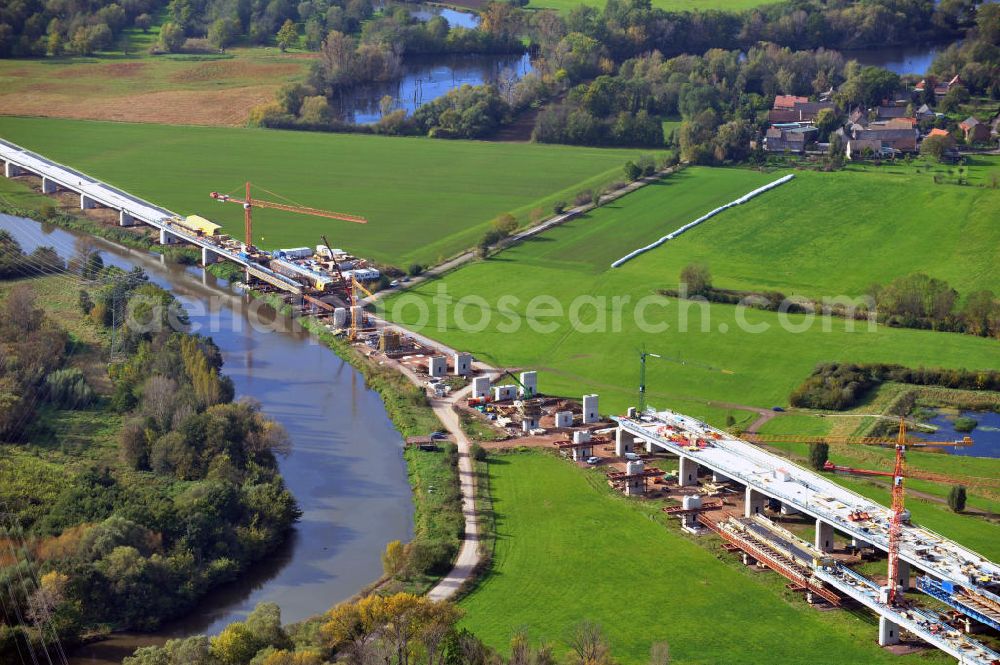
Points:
(346, 467)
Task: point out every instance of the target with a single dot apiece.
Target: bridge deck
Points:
(814, 495)
(144, 211)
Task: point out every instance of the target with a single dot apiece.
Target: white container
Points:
(691, 501)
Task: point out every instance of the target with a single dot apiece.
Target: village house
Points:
(859, 149)
(975, 131)
(788, 139)
(940, 89)
(889, 112)
(893, 138)
(944, 134)
(796, 109)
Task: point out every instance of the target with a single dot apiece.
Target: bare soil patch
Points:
(216, 70)
(180, 107)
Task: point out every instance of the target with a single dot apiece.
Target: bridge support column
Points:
(687, 473)
(787, 510)
(208, 257)
(125, 219)
(650, 446)
(719, 478)
(167, 238)
(624, 442)
(86, 203)
(753, 503)
(824, 536)
(11, 170)
(888, 632)
(49, 186)
(903, 576)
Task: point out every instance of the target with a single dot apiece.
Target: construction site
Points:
(770, 512)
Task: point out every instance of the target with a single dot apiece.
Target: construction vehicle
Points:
(249, 203)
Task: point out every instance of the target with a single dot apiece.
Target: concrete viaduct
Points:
(131, 210)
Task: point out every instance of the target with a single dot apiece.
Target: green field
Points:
(425, 199)
(827, 234)
(723, 363)
(668, 5)
(568, 550)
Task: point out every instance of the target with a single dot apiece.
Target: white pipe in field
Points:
(670, 236)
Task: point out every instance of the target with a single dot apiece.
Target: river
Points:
(346, 468)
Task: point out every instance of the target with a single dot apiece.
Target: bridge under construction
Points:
(133, 210)
(963, 579)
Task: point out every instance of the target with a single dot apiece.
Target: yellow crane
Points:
(357, 314)
(910, 442)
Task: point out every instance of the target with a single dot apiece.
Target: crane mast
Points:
(896, 523)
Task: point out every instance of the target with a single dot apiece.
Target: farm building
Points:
(975, 131)
(791, 139)
(860, 148)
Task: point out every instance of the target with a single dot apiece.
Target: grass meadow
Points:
(568, 549)
(425, 199)
(716, 360)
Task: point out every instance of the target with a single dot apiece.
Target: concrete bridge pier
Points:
(208, 257)
(787, 510)
(687, 472)
(624, 442)
(903, 575)
(125, 219)
(86, 203)
(719, 478)
(824, 536)
(49, 186)
(888, 632)
(11, 170)
(753, 503)
(167, 238)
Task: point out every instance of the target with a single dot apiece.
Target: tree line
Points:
(189, 496)
(911, 301)
(392, 629)
(841, 386)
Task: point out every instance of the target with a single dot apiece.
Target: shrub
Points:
(583, 198)
(414, 270)
(819, 453)
(67, 389)
(956, 498)
(632, 171)
(428, 557)
(558, 207)
(86, 304)
(965, 424)
(478, 452)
